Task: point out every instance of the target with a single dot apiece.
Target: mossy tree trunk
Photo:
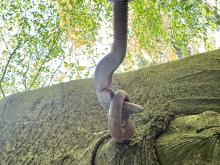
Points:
(63, 124)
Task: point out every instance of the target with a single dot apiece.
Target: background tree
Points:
(30, 40)
(46, 42)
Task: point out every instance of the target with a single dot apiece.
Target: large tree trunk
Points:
(64, 124)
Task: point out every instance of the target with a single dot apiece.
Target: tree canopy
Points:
(43, 42)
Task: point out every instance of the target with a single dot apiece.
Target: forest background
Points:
(45, 42)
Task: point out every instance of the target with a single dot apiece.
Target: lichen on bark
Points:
(62, 124)
(193, 139)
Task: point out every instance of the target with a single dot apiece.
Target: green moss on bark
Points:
(193, 139)
(61, 124)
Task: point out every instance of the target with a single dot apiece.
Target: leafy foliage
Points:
(178, 24)
(45, 42)
(30, 38)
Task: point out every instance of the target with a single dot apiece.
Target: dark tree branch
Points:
(6, 45)
(51, 78)
(2, 91)
(9, 60)
(10, 57)
(6, 67)
(25, 74)
(39, 70)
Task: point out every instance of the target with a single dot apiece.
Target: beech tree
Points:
(64, 123)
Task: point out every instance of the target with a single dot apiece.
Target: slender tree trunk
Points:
(178, 51)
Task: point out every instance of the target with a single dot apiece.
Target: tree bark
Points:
(64, 124)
